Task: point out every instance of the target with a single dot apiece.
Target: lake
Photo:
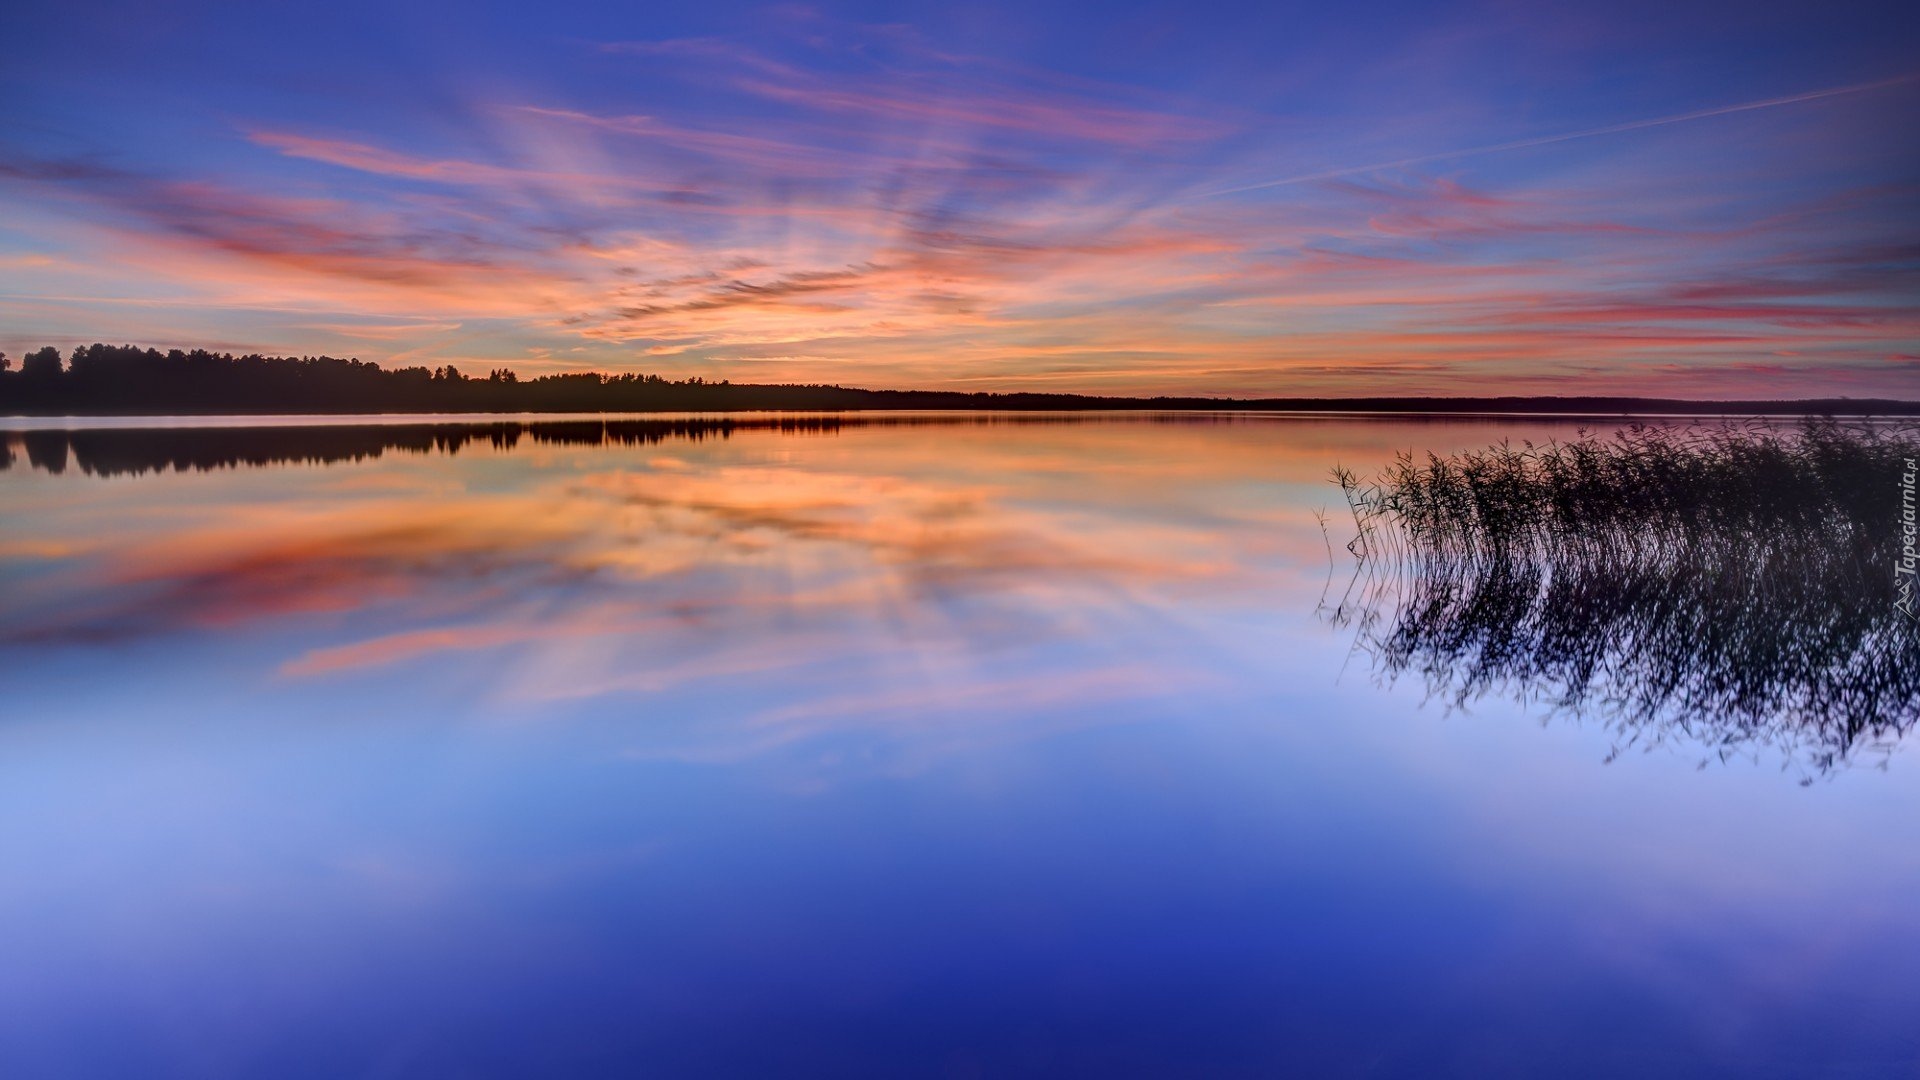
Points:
(969, 745)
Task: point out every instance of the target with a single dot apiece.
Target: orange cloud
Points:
(945, 221)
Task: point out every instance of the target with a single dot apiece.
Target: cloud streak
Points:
(836, 203)
(1566, 136)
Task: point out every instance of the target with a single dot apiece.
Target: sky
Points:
(1674, 198)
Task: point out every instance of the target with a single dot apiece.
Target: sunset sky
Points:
(1710, 200)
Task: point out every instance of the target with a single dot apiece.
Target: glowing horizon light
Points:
(997, 206)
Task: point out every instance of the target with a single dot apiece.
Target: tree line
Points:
(129, 380)
(113, 379)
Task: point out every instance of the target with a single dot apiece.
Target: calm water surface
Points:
(969, 749)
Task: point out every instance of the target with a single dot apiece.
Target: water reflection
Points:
(1726, 588)
(1729, 588)
(132, 451)
(887, 577)
(979, 747)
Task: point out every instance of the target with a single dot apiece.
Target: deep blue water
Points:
(970, 750)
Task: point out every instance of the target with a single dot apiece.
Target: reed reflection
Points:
(1732, 588)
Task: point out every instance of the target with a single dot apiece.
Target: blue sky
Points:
(1406, 198)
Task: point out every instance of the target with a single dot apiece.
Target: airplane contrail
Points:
(1587, 133)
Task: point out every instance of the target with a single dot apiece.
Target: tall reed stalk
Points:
(1729, 586)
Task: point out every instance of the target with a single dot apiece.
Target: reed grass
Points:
(1729, 586)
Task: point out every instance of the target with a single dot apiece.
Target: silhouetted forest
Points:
(1730, 588)
(105, 380)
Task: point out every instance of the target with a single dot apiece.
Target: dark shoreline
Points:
(179, 444)
(837, 400)
(126, 380)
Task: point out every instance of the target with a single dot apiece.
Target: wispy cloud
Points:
(864, 205)
(1567, 136)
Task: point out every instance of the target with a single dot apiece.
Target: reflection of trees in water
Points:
(1731, 587)
(132, 451)
(124, 451)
